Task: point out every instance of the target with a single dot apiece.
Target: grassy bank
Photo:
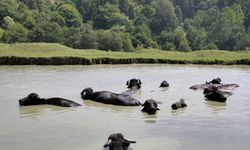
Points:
(50, 54)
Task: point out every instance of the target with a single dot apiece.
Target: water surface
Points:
(203, 125)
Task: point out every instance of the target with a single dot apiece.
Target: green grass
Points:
(48, 50)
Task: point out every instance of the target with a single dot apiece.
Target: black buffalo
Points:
(107, 97)
(117, 142)
(150, 106)
(34, 99)
(179, 104)
(164, 84)
(134, 83)
(214, 94)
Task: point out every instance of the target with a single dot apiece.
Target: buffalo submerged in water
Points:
(34, 99)
(107, 97)
(215, 82)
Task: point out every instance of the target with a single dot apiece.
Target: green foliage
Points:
(181, 25)
(1, 34)
(108, 16)
(165, 17)
(114, 41)
(14, 32)
(46, 32)
(244, 41)
(70, 14)
(57, 18)
(40, 5)
(210, 46)
(142, 36)
(7, 8)
(174, 40)
(228, 27)
(109, 41)
(73, 35)
(29, 23)
(88, 40)
(196, 35)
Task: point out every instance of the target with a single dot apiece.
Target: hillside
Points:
(124, 25)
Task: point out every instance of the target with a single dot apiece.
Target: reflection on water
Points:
(201, 125)
(215, 107)
(179, 111)
(105, 107)
(150, 118)
(34, 111)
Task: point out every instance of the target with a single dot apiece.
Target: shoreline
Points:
(13, 60)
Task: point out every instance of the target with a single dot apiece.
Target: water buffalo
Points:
(34, 99)
(215, 82)
(164, 84)
(150, 106)
(214, 94)
(117, 142)
(134, 83)
(179, 104)
(107, 97)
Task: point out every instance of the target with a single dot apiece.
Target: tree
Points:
(108, 16)
(141, 36)
(40, 5)
(165, 17)
(72, 36)
(88, 40)
(14, 32)
(178, 13)
(174, 40)
(57, 18)
(7, 8)
(46, 32)
(109, 41)
(196, 34)
(1, 33)
(145, 15)
(228, 27)
(70, 14)
(244, 41)
(114, 41)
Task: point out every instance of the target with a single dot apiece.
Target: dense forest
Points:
(123, 25)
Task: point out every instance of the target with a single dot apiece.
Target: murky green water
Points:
(203, 125)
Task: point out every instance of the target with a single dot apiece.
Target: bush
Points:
(88, 40)
(114, 41)
(210, 46)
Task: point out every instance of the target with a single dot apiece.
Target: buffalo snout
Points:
(150, 106)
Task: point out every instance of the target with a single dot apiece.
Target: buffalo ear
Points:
(139, 81)
(108, 143)
(126, 143)
(128, 82)
(83, 92)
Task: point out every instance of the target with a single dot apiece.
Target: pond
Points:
(203, 125)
